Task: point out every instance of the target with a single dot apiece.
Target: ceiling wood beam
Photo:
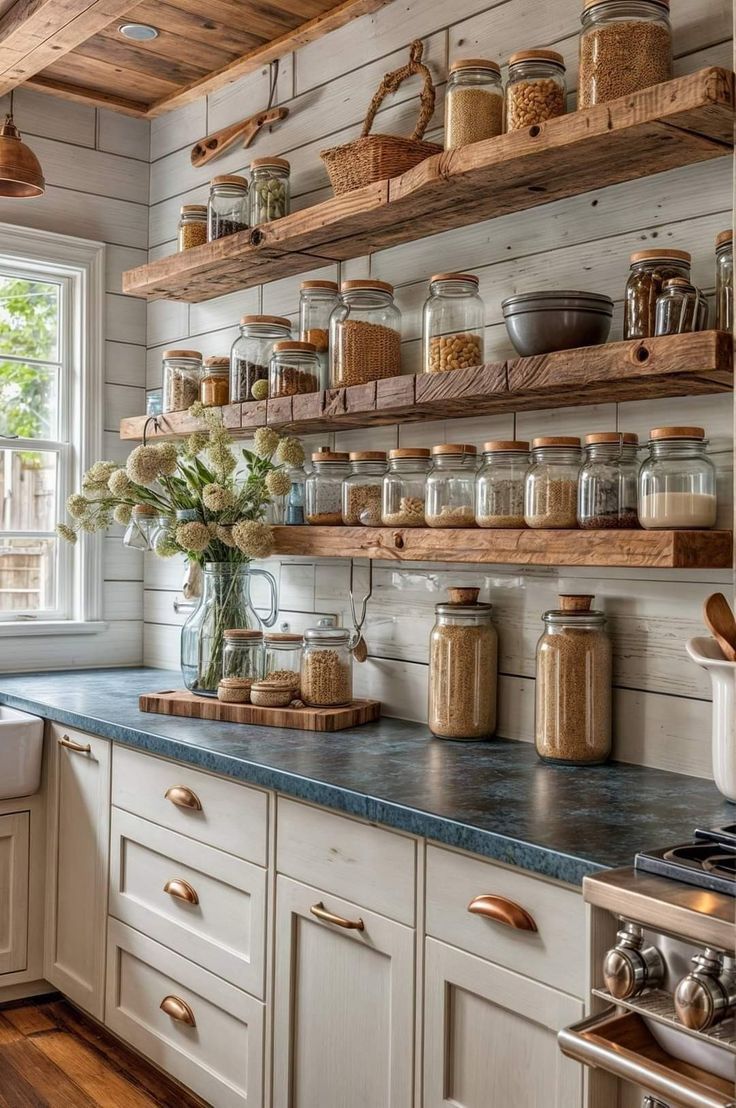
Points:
(94, 97)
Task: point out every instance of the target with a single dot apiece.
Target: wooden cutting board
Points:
(180, 702)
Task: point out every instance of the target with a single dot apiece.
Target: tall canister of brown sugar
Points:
(463, 662)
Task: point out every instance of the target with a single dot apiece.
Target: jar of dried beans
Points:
(607, 490)
(625, 45)
(361, 491)
(573, 686)
(451, 486)
(463, 662)
(317, 301)
(294, 369)
(323, 490)
(327, 667)
(214, 384)
(724, 281)
(649, 270)
(405, 487)
(365, 334)
(282, 661)
(182, 370)
(535, 90)
(499, 485)
(227, 209)
(453, 321)
(551, 485)
(251, 353)
(474, 102)
(269, 189)
(192, 225)
(677, 482)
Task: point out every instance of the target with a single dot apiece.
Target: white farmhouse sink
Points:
(21, 747)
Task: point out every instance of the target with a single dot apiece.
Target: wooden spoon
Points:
(719, 620)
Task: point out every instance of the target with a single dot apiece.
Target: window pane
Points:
(29, 404)
(27, 575)
(29, 318)
(28, 490)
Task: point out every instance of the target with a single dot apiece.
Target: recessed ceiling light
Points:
(139, 32)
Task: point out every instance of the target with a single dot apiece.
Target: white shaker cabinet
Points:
(14, 877)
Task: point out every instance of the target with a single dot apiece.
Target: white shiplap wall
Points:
(96, 165)
(663, 714)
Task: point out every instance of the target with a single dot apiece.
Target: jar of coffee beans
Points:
(317, 301)
(607, 489)
(551, 485)
(405, 487)
(294, 369)
(724, 281)
(474, 102)
(181, 371)
(649, 270)
(227, 210)
(327, 667)
(192, 225)
(535, 90)
(365, 334)
(251, 353)
(451, 486)
(214, 384)
(625, 45)
(452, 323)
(361, 491)
(463, 663)
(269, 190)
(499, 486)
(323, 490)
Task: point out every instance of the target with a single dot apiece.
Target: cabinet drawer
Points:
(14, 875)
(453, 881)
(223, 814)
(364, 864)
(207, 905)
(220, 1054)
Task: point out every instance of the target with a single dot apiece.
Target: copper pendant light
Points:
(20, 170)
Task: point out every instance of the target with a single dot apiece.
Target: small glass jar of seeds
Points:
(451, 486)
(724, 281)
(573, 685)
(405, 487)
(227, 210)
(282, 657)
(535, 90)
(499, 485)
(192, 225)
(649, 270)
(327, 667)
(317, 301)
(607, 489)
(551, 484)
(323, 490)
(463, 663)
(182, 370)
(625, 45)
(294, 369)
(269, 190)
(473, 102)
(681, 308)
(251, 353)
(365, 334)
(452, 323)
(361, 491)
(677, 482)
(242, 658)
(214, 384)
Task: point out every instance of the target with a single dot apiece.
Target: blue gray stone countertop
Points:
(492, 798)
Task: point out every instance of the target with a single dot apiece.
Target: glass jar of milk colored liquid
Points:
(677, 482)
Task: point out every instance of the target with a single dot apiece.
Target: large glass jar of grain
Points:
(327, 667)
(463, 661)
(677, 482)
(499, 485)
(361, 491)
(535, 90)
(181, 370)
(724, 281)
(269, 189)
(625, 45)
(573, 686)
(451, 486)
(649, 270)
(551, 485)
(453, 319)
(323, 489)
(607, 490)
(251, 353)
(227, 208)
(293, 369)
(365, 334)
(473, 102)
(405, 487)
(317, 301)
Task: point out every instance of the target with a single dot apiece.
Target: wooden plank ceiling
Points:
(74, 48)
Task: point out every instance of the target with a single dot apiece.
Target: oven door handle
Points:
(585, 1042)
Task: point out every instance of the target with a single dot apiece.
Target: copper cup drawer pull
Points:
(183, 798)
(502, 910)
(78, 748)
(321, 913)
(179, 1010)
(181, 890)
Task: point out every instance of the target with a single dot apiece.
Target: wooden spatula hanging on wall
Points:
(209, 148)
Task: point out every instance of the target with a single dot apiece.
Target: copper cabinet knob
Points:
(181, 890)
(183, 797)
(502, 910)
(178, 1009)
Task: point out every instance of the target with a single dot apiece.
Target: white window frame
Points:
(79, 264)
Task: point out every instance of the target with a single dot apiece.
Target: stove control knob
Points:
(708, 994)
(630, 967)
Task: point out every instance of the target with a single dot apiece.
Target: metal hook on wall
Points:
(360, 650)
(156, 426)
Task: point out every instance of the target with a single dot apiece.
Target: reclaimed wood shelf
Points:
(180, 702)
(677, 123)
(631, 549)
(674, 365)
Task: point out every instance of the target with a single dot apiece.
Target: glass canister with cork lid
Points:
(269, 189)
(499, 485)
(365, 334)
(649, 270)
(293, 369)
(451, 486)
(681, 308)
(227, 208)
(452, 323)
(282, 657)
(473, 102)
(182, 370)
(317, 301)
(361, 491)
(323, 490)
(535, 90)
(608, 486)
(327, 667)
(405, 487)
(192, 225)
(724, 281)
(625, 46)
(214, 384)
(677, 482)
(463, 663)
(551, 483)
(242, 664)
(250, 355)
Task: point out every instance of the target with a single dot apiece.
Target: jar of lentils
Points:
(323, 490)
(535, 90)
(282, 657)
(474, 102)
(251, 353)
(182, 370)
(451, 486)
(607, 490)
(227, 210)
(551, 485)
(724, 281)
(294, 369)
(192, 225)
(649, 270)
(453, 321)
(317, 301)
(214, 384)
(625, 45)
(362, 490)
(405, 487)
(365, 334)
(499, 485)
(677, 482)
(463, 663)
(269, 189)
(327, 667)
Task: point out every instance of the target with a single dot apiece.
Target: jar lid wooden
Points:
(497, 446)
(279, 320)
(455, 277)
(454, 448)
(330, 456)
(410, 452)
(463, 595)
(614, 437)
(475, 63)
(230, 179)
(144, 510)
(200, 209)
(183, 354)
(577, 602)
(556, 440)
(655, 255)
(368, 456)
(277, 163)
(658, 433)
(331, 285)
(537, 55)
(724, 236)
(677, 283)
(216, 362)
(366, 283)
(282, 636)
(284, 345)
(243, 633)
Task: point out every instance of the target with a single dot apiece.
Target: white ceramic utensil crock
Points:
(707, 653)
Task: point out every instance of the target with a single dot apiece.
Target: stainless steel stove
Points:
(708, 861)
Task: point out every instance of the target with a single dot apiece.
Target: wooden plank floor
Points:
(52, 1056)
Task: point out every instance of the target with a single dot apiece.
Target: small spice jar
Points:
(405, 487)
(214, 384)
(463, 663)
(535, 90)
(474, 102)
(294, 368)
(227, 209)
(323, 491)
(282, 657)
(625, 45)
(677, 482)
(192, 225)
(551, 484)
(317, 301)
(724, 281)
(649, 270)
(499, 485)
(607, 489)
(451, 486)
(327, 667)
(452, 323)
(142, 526)
(573, 686)
(365, 334)
(181, 370)
(269, 189)
(251, 352)
(362, 490)
(681, 308)
(242, 662)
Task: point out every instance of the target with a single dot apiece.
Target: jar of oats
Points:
(551, 485)
(182, 370)
(405, 487)
(323, 488)
(535, 90)
(451, 486)
(327, 667)
(499, 486)
(463, 662)
(474, 102)
(649, 269)
(452, 323)
(625, 45)
(365, 334)
(361, 491)
(317, 301)
(573, 686)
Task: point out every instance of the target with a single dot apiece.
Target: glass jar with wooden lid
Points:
(677, 482)
(323, 489)
(463, 664)
(294, 368)
(317, 301)
(473, 102)
(327, 667)
(269, 189)
(192, 225)
(242, 660)
(227, 209)
(681, 308)
(452, 323)
(607, 488)
(451, 486)
(536, 89)
(551, 484)
(405, 487)
(181, 371)
(724, 281)
(649, 270)
(625, 46)
(365, 334)
(251, 353)
(282, 657)
(214, 384)
(361, 491)
(499, 485)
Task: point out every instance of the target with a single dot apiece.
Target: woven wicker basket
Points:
(378, 157)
